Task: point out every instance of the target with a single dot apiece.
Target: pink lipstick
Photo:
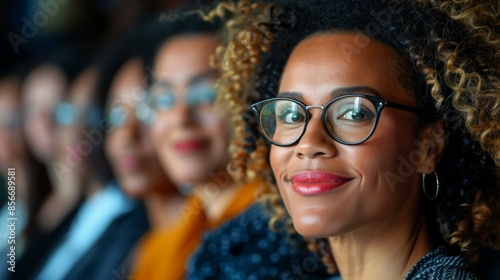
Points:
(189, 146)
(316, 183)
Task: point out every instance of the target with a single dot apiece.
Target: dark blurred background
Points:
(30, 29)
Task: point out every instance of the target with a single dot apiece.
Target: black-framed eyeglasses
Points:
(349, 119)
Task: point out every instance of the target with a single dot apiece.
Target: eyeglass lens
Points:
(349, 119)
(67, 114)
(164, 98)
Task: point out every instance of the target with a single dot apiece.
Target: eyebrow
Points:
(335, 93)
(209, 74)
(204, 76)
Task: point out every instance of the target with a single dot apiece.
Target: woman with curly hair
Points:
(191, 140)
(380, 123)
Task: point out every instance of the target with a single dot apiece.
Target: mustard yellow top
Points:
(162, 254)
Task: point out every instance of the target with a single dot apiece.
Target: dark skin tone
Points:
(367, 216)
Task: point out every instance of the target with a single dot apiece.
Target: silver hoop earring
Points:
(425, 189)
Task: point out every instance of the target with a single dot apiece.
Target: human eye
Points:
(117, 116)
(162, 97)
(201, 95)
(355, 110)
(66, 114)
(290, 113)
(164, 102)
(356, 114)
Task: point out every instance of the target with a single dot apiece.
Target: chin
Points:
(315, 222)
(189, 173)
(313, 230)
(137, 191)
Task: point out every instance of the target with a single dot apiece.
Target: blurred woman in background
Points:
(128, 144)
(44, 88)
(102, 209)
(13, 154)
(191, 140)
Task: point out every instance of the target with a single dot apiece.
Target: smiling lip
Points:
(189, 146)
(315, 183)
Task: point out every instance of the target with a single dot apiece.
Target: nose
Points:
(181, 114)
(131, 128)
(315, 142)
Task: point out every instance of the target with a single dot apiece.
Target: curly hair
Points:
(453, 52)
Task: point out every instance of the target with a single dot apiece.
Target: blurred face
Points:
(127, 145)
(75, 139)
(330, 188)
(11, 140)
(190, 138)
(42, 91)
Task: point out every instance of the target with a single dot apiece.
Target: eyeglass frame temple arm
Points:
(420, 112)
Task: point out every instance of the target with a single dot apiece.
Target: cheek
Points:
(111, 145)
(146, 147)
(218, 131)
(159, 129)
(386, 163)
(64, 136)
(279, 158)
(10, 143)
(280, 161)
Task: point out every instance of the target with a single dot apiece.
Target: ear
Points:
(433, 140)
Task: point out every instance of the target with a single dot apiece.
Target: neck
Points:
(63, 199)
(93, 186)
(163, 209)
(217, 194)
(385, 251)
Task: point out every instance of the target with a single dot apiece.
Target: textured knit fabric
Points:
(438, 265)
(245, 248)
(163, 253)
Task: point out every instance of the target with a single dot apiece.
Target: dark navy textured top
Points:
(438, 265)
(245, 248)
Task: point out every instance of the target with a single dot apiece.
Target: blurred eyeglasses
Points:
(67, 114)
(118, 115)
(163, 97)
(349, 119)
(199, 97)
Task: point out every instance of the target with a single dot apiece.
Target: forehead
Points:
(324, 61)
(184, 56)
(44, 85)
(82, 91)
(128, 79)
